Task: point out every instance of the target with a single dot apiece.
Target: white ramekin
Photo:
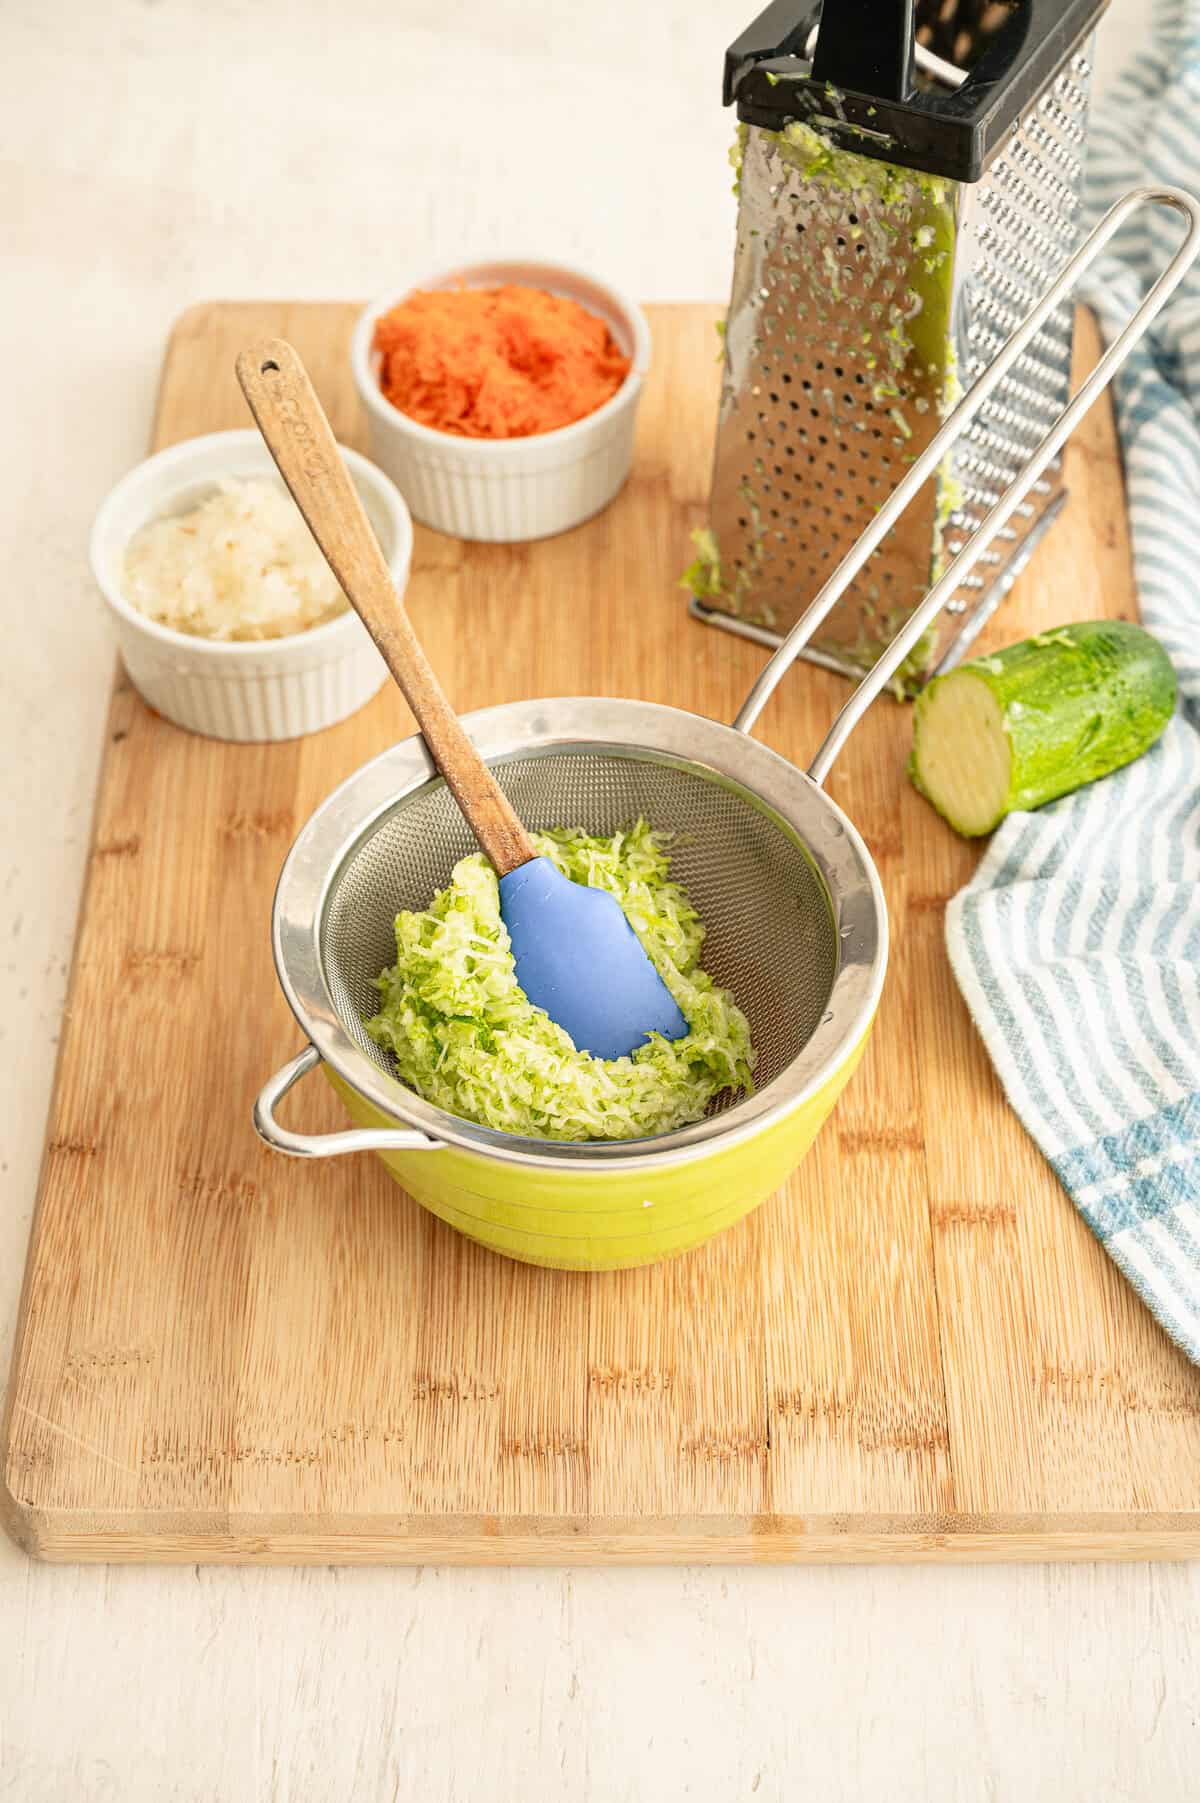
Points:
(513, 488)
(241, 689)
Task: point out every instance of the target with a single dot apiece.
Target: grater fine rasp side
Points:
(866, 296)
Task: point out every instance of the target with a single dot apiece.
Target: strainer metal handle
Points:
(325, 1145)
(882, 672)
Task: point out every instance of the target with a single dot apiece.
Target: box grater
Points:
(909, 182)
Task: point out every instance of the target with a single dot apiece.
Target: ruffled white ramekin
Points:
(241, 689)
(513, 488)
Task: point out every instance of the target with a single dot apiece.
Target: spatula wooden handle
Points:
(298, 436)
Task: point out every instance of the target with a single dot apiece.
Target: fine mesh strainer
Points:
(751, 846)
(795, 914)
(732, 852)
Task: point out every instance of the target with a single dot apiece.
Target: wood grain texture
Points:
(289, 416)
(914, 1351)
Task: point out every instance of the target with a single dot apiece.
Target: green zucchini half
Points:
(1021, 727)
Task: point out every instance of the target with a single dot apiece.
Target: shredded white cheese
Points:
(241, 565)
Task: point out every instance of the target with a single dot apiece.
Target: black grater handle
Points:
(866, 46)
(781, 29)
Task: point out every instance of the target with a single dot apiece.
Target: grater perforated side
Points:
(866, 297)
(1018, 228)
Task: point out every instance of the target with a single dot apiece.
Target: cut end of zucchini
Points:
(962, 754)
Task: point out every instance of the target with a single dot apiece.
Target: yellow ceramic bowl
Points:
(597, 1221)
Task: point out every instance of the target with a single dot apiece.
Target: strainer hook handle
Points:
(882, 672)
(325, 1145)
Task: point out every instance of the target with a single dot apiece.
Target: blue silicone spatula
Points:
(576, 954)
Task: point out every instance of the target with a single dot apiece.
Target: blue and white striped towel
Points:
(1077, 943)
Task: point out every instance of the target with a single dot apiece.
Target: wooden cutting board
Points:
(914, 1351)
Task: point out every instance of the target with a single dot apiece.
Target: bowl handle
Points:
(325, 1145)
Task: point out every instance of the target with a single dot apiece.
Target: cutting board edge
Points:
(171, 1539)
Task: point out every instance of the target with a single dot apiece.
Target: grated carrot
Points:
(496, 362)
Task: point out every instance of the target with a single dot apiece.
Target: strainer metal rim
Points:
(581, 724)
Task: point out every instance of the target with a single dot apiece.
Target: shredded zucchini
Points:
(466, 1038)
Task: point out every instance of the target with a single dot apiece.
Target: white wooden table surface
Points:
(154, 153)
